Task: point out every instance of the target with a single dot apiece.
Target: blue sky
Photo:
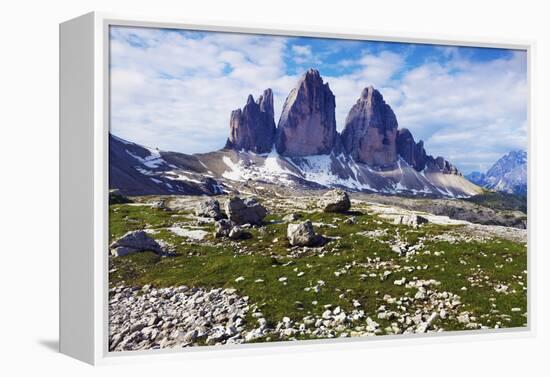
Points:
(175, 89)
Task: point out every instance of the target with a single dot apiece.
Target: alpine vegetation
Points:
(293, 230)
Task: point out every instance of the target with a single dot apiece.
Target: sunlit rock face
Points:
(370, 132)
(308, 124)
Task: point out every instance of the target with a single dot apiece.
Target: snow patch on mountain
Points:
(154, 160)
(179, 176)
(319, 169)
(270, 171)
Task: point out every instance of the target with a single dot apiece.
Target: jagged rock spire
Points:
(308, 124)
(369, 135)
(253, 127)
(409, 150)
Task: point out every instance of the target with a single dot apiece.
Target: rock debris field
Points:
(192, 271)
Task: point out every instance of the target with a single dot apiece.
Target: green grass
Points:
(217, 263)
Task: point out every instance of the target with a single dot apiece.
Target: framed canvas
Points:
(247, 189)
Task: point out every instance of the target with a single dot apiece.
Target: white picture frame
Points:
(84, 127)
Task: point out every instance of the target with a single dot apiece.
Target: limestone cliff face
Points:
(253, 127)
(440, 165)
(370, 132)
(308, 124)
(415, 155)
(412, 152)
(307, 127)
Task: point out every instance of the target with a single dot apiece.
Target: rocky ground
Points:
(266, 273)
(499, 211)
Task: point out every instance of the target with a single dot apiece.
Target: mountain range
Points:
(303, 150)
(508, 174)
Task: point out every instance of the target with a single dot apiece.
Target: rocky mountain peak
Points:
(253, 127)
(312, 73)
(508, 162)
(368, 92)
(508, 174)
(308, 124)
(307, 127)
(370, 131)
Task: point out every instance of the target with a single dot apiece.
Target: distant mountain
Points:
(303, 151)
(508, 174)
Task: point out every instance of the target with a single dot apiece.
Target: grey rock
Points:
(153, 321)
(410, 220)
(308, 124)
(351, 220)
(238, 233)
(135, 241)
(463, 318)
(196, 313)
(190, 336)
(335, 201)
(222, 228)
(253, 127)
(302, 234)
(247, 211)
(209, 208)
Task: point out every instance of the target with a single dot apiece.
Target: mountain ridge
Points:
(508, 174)
(138, 170)
(307, 127)
(372, 154)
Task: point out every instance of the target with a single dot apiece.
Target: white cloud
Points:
(479, 107)
(177, 93)
(303, 51)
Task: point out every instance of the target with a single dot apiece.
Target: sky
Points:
(175, 89)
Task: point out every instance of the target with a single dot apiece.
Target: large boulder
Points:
(308, 124)
(227, 228)
(253, 127)
(209, 208)
(302, 234)
(369, 135)
(135, 241)
(335, 201)
(247, 211)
